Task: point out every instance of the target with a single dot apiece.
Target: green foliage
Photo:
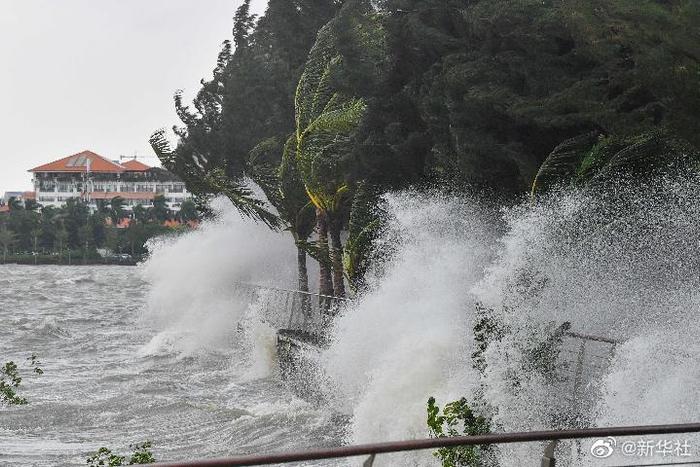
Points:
(327, 112)
(7, 240)
(116, 212)
(294, 205)
(10, 381)
(487, 329)
(105, 457)
(595, 160)
(481, 91)
(458, 419)
(397, 93)
(51, 235)
(142, 454)
(203, 177)
(540, 351)
(249, 100)
(188, 211)
(364, 227)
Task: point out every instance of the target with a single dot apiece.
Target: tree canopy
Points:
(317, 98)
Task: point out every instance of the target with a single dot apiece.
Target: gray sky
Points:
(99, 74)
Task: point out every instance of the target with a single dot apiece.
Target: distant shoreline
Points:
(29, 261)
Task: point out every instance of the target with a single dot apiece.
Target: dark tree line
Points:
(29, 228)
(327, 104)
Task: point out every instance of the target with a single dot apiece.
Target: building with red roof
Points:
(92, 177)
(83, 162)
(132, 165)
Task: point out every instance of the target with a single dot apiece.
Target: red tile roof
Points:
(4, 208)
(29, 195)
(79, 163)
(135, 166)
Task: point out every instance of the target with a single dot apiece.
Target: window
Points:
(47, 185)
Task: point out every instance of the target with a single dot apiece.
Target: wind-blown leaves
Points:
(327, 112)
(323, 150)
(203, 180)
(563, 162)
(294, 204)
(593, 160)
(364, 228)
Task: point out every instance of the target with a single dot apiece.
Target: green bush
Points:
(10, 381)
(104, 456)
(458, 419)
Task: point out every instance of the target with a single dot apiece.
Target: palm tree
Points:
(285, 191)
(31, 205)
(61, 239)
(35, 233)
(14, 204)
(140, 214)
(188, 211)
(116, 212)
(205, 178)
(326, 121)
(159, 212)
(7, 240)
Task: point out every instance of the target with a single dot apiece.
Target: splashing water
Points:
(621, 264)
(405, 340)
(192, 278)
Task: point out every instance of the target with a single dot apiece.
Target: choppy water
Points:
(106, 383)
(167, 353)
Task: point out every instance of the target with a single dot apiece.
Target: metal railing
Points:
(583, 361)
(302, 319)
(434, 443)
(304, 313)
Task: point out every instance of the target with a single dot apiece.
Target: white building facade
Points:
(92, 178)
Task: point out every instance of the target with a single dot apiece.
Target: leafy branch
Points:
(105, 457)
(10, 381)
(458, 419)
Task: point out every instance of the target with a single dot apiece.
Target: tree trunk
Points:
(325, 283)
(303, 280)
(302, 272)
(337, 259)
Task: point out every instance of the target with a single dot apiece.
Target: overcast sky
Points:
(98, 75)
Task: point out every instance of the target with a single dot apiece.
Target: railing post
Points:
(548, 459)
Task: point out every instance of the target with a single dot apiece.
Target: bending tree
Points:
(328, 113)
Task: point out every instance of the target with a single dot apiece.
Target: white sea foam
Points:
(192, 277)
(406, 339)
(624, 267)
